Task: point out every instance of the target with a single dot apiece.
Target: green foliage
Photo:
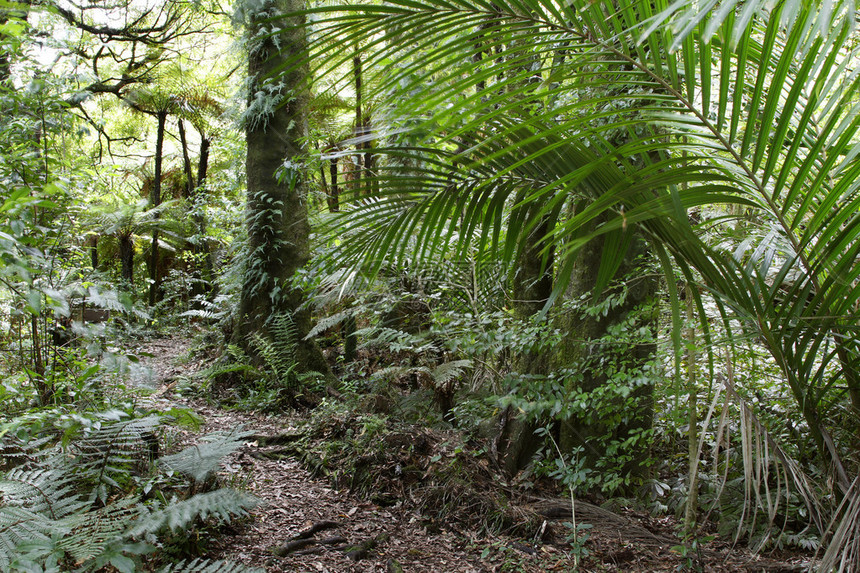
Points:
(85, 496)
(200, 461)
(278, 349)
(275, 381)
(203, 566)
(617, 116)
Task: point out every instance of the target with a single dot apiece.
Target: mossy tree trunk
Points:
(614, 409)
(277, 218)
(531, 287)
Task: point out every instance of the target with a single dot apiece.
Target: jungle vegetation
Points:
(619, 240)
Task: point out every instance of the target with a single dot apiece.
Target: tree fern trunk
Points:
(155, 201)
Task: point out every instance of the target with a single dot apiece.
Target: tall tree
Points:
(277, 219)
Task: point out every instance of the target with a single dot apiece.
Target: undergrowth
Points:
(91, 492)
(444, 475)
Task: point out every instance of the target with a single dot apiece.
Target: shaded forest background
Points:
(614, 243)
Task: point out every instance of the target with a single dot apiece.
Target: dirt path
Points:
(359, 536)
(296, 501)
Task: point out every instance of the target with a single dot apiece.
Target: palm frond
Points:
(622, 116)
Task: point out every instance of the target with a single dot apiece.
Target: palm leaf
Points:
(654, 109)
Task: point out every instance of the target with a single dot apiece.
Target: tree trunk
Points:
(155, 201)
(201, 248)
(186, 162)
(203, 162)
(531, 287)
(277, 219)
(583, 351)
(334, 189)
(366, 158)
(126, 258)
(94, 251)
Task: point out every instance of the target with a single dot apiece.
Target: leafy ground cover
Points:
(352, 490)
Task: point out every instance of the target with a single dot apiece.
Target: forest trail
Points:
(306, 525)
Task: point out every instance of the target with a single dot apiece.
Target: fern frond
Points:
(392, 372)
(108, 454)
(449, 371)
(324, 324)
(201, 461)
(19, 526)
(50, 493)
(284, 333)
(221, 505)
(92, 532)
(48, 515)
(205, 566)
(380, 336)
(203, 313)
(274, 364)
(15, 452)
(278, 350)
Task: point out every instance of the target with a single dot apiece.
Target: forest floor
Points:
(306, 524)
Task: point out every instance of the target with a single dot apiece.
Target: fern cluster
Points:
(279, 382)
(102, 498)
(278, 350)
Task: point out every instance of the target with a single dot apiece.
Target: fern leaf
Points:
(278, 351)
(202, 313)
(449, 371)
(380, 336)
(202, 460)
(92, 532)
(285, 333)
(205, 566)
(392, 372)
(20, 526)
(324, 324)
(108, 454)
(46, 492)
(221, 504)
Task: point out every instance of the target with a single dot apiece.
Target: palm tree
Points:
(649, 111)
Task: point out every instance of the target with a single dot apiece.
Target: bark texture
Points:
(277, 219)
(584, 350)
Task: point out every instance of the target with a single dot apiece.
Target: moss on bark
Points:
(277, 218)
